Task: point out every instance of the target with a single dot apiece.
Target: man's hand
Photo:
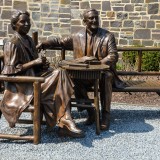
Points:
(38, 61)
(85, 59)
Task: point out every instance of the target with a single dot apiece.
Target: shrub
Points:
(150, 60)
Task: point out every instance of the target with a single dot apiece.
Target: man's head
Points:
(90, 19)
(20, 22)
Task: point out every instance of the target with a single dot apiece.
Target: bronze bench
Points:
(135, 85)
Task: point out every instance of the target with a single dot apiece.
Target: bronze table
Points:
(88, 72)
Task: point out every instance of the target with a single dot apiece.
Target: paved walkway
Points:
(134, 135)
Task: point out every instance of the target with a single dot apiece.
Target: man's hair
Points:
(88, 10)
(15, 17)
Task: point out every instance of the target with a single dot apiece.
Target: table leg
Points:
(96, 103)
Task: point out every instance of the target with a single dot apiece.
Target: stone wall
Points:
(134, 22)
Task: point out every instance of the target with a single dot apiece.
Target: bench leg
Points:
(36, 120)
(96, 104)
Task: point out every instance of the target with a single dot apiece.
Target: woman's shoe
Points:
(68, 128)
(64, 132)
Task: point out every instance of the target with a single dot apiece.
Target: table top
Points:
(86, 67)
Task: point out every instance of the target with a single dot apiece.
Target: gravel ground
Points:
(133, 134)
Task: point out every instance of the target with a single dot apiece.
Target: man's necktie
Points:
(90, 46)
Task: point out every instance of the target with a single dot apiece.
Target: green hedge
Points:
(150, 60)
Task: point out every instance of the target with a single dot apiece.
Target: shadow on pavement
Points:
(122, 121)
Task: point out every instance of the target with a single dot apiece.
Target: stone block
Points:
(96, 6)
(65, 20)
(118, 8)
(110, 14)
(54, 8)
(75, 29)
(158, 25)
(140, 8)
(34, 9)
(84, 5)
(147, 43)
(126, 36)
(6, 14)
(75, 14)
(45, 8)
(142, 34)
(105, 24)
(137, 1)
(149, 1)
(122, 15)
(122, 42)
(116, 34)
(153, 8)
(64, 10)
(65, 2)
(36, 16)
(56, 24)
(1, 25)
(125, 1)
(75, 22)
(156, 36)
(129, 7)
(19, 5)
(136, 42)
(74, 4)
(39, 24)
(64, 16)
(1, 2)
(140, 24)
(116, 24)
(2, 33)
(8, 2)
(47, 33)
(48, 27)
(106, 6)
(150, 24)
(65, 25)
(127, 29)
(155, 17)
(53, 15)
(128, 23)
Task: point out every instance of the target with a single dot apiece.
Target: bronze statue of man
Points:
(100, 43)
(21, 58)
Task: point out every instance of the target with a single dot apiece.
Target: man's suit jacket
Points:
(104, 45)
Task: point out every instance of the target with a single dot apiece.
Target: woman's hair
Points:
(15, 17)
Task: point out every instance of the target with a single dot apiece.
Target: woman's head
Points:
(20, 22)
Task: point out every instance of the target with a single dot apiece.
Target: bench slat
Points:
(140, 86)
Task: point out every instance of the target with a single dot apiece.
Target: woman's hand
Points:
(39, 47)
(45, 63)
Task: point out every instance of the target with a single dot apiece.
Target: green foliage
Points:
(119, 66)
(150, 59)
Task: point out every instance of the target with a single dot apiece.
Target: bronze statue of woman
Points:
(21, 58)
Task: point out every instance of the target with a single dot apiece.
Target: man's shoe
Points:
(91, 116)
(68, 128)
(105, 122)
(90, 120)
